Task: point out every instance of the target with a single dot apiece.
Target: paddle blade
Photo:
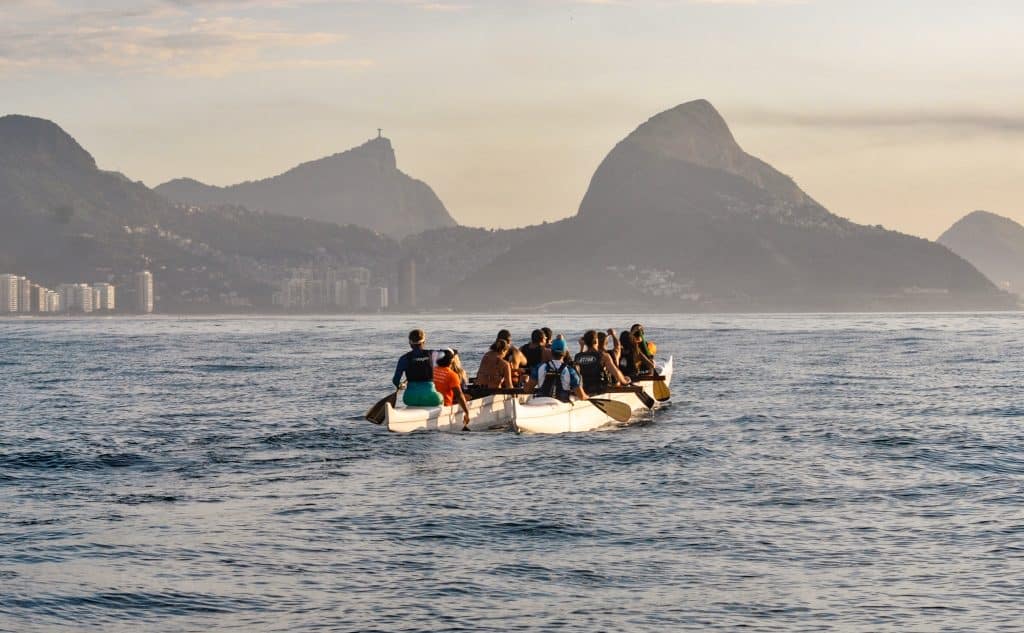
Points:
(618, 411)
(378, 412)
(661, 391)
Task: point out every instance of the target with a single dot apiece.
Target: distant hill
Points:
(679, 217)
(65, 220)
(993, 244)
(362, 186)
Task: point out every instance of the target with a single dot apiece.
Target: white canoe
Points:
(487, 413)
(548, 415)
(633, 400)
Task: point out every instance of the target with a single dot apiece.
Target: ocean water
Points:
(813, 473)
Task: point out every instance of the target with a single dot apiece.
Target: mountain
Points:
(679, 217)
(992, 243)
(62, 219)
(362, 186)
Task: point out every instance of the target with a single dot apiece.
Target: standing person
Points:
(449, 384)
(495, 372)
(557, 377)
(596, 367)
(418, 367)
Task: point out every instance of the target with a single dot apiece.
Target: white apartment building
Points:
(76, 297)
(104, 297)
(24, 294)
(381, 296)
(8, 293)
(144, 292)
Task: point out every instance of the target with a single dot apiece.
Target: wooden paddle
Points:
(378, 412)
(645, 397)
(618, 411)
(661, 391)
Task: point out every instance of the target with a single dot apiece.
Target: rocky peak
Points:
(30, 140)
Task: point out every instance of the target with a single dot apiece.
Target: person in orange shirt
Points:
(449, 384)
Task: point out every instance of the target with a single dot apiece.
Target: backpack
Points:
(551, 387)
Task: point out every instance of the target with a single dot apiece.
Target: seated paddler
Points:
(417, 366)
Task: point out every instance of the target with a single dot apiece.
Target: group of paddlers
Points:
(544, 367)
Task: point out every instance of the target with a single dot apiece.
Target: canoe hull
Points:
(485, 414)
(548, 415)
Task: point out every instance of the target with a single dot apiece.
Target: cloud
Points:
(964, 120)
(162, 38)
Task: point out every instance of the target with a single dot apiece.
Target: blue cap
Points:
(558, 346)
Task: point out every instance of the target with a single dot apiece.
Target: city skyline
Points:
(905, 116)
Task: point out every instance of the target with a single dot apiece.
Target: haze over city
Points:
(902, 114)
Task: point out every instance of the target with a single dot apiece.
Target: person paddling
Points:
(596, 366)
(418, 368)
(633, 362)
(495, 372)
(449, 384)
(557, 377)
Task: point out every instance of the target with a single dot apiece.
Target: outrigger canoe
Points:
(528, 414)
(485, 414)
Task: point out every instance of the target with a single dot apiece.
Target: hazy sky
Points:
(907, 113)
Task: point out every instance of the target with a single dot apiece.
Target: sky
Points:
(904, 113)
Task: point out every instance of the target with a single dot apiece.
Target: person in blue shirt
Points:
(418, 367)
(557, 377)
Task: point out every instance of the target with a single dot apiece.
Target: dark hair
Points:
(500, 346)
(626, 338)
(417, 337)
(446, 359)
(590, 338)
(505, 335)
(548, 333)
(602, 339)
(536, 337)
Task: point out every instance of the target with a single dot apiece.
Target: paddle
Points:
(661, 391)
(645, 397)
(378, 412)
(618, 411)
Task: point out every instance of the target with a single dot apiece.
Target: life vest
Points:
(592, 371)
(534, 355)
(551, 386)
(627, 363)
(420, 367)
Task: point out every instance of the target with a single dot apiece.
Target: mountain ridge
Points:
(993, 243)
(361, 186)
(678, 216)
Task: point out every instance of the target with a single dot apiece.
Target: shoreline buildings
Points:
(331, 289)
(19, 295)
